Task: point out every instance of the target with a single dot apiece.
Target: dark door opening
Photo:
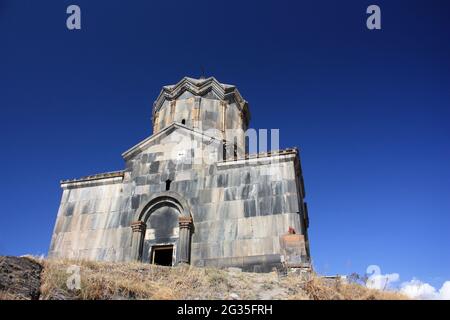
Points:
(162, 255)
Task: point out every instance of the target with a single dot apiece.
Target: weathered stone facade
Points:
(192, 188)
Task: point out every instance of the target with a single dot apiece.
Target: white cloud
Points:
(444, 292)
(415, 289)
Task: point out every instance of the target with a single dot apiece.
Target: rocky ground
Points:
(31, 278)
(20, 278)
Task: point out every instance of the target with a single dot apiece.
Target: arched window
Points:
(224, 151)
(183, 121)
(168, 182)
(247, 145)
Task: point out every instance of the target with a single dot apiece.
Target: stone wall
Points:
(93, 221)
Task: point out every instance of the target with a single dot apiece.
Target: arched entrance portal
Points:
(168, 219)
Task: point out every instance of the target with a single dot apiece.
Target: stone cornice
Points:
(97, 179)
(262, 158)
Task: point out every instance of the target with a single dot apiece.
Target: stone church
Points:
(191, 192)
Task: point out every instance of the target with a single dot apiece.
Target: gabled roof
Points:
(174, 126)
(200, 87)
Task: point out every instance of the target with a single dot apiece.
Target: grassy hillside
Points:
(103, 280)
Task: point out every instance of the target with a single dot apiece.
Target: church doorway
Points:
(162, 255)
(161, 233)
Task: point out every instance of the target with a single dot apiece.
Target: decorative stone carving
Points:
(138, 226)
(185, 222)
(185, 239)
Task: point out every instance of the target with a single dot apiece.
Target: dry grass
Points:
(7, 296)
(104, 280)
(317, 288)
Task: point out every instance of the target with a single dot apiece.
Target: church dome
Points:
(202, 104)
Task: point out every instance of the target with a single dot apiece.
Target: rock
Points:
(234, 296)
(20, 278)
(59, 294)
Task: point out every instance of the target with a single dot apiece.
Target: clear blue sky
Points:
(368, 109)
